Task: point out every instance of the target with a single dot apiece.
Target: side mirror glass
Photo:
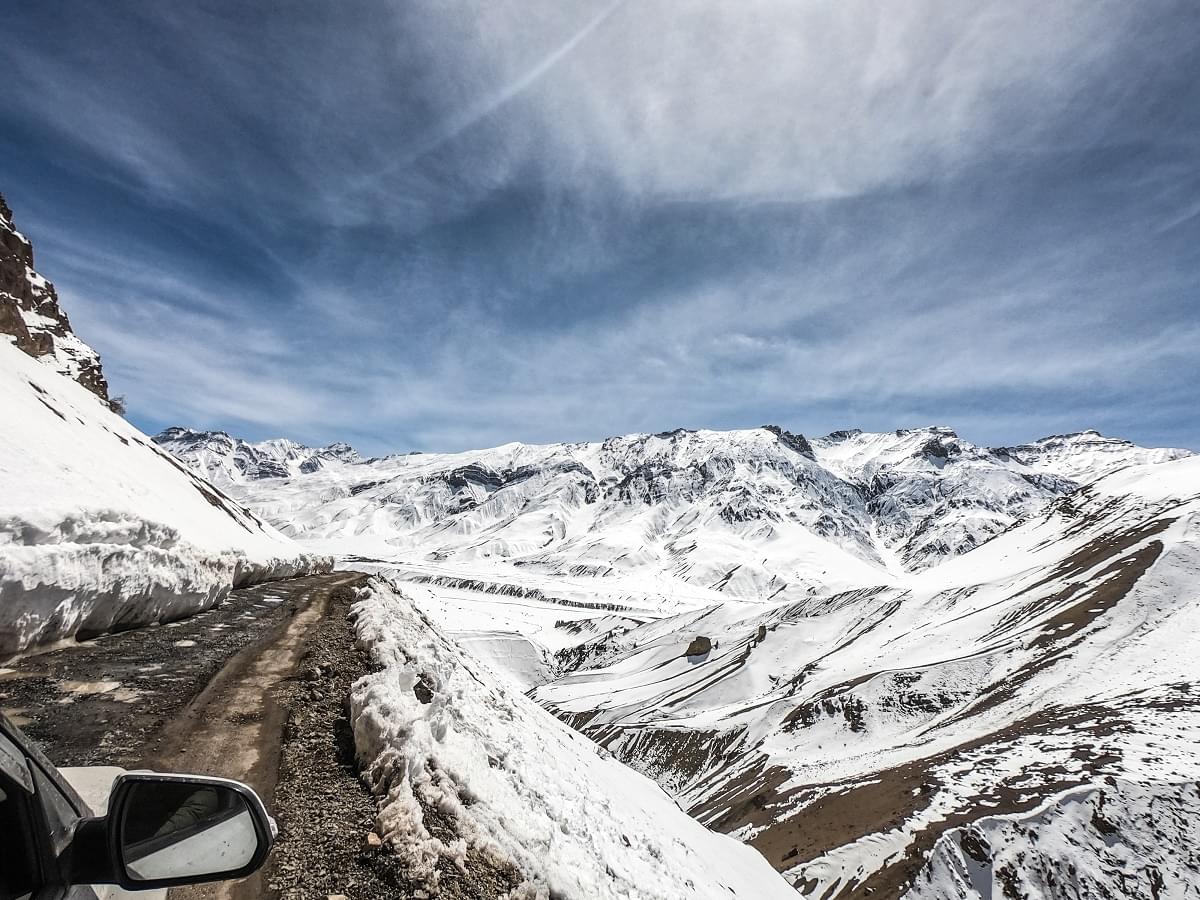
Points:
(182, 829)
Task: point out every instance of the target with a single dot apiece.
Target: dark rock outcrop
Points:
(30, 314)
(797, 442)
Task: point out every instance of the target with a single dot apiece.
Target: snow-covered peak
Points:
(226, 460)
(859, 455)
(1085, 455)
(935, 495)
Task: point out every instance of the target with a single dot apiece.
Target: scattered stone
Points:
(328, 845)
(423, 689)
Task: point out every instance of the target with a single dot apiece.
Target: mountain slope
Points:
(31, 317)
(843, 735)
(464, 765)
(1114, 841)
(101, 530)
(935, 495)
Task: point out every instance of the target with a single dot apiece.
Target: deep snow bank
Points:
(438, 734)
(99, 529)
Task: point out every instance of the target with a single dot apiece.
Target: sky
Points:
(449, 224)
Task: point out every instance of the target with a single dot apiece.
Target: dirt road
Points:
(199, 695)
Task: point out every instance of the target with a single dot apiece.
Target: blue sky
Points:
(445, 224)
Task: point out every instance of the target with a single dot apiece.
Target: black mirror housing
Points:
(167, 830)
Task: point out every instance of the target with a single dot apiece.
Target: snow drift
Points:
(101, 530)
(439, 735)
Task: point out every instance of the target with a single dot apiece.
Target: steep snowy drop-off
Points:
(101, 530)
(842, 735)
(441, 739)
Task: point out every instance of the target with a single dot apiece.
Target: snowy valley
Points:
(839, 650)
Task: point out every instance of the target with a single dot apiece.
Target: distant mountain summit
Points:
(224, 459)
(31, 317)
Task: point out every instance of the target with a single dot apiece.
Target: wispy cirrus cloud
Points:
(448, 224)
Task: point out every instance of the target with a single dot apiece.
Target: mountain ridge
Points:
(910, 498)
(31, 316)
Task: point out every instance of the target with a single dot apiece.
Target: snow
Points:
(519, 783)
(99, 529)
(995, 670)
(1115, 840)
(945, 630)
(223, 459)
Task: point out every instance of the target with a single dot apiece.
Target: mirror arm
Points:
(89, 858)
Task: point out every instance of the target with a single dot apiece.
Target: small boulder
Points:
(699, 646)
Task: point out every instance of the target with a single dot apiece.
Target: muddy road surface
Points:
(199, 695)
(142, 698)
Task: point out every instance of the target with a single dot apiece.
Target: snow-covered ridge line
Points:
(439, 735)
(758, 514)
(224, 459)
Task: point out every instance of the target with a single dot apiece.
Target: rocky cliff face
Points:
(30, 314)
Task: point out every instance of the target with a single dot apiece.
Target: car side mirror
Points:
(167, 830)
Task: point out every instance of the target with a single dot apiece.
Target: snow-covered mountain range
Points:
(227, 460)
(755, 514)
(847, 651)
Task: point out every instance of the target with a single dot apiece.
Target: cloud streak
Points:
(445, 224)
